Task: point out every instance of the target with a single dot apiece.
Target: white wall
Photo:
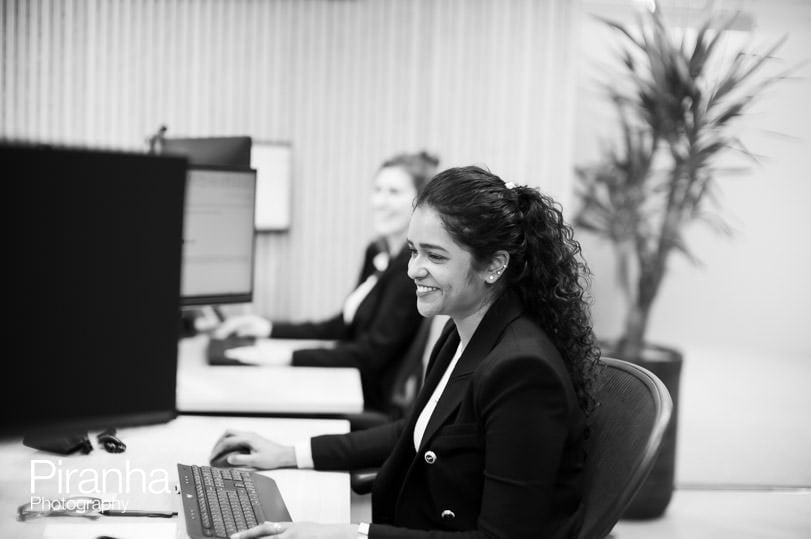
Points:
(346, 83)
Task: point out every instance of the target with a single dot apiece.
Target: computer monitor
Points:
(93, 242)
(218, 244)
(211, 151)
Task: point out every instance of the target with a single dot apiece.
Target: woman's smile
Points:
(423, 290)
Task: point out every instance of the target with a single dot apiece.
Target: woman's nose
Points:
(415, 269)
(379, 198)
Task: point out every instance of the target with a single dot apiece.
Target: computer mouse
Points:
(221, 460)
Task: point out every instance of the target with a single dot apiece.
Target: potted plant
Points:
(677, 102)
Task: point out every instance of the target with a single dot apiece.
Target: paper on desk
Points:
(120, 530)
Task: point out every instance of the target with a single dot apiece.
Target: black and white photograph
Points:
(405, 269)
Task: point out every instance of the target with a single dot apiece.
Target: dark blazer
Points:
(377, 339)
(503, 453)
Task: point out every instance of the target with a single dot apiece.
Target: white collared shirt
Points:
(427, 412)
(356, 298)
(353, 301)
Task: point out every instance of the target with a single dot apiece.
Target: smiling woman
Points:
(392, 202)
(447, 279)
(495, 445)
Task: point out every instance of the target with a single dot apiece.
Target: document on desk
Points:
(273, 352)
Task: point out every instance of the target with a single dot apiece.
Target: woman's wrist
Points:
(288, 457)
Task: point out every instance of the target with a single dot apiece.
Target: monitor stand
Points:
(218, 313)
(59, 442)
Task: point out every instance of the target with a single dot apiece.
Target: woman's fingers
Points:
(229, 442)
(249, 325)
(238, 459)
(266, 529)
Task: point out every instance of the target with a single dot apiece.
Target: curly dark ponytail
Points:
(485, 214)
(554, 286)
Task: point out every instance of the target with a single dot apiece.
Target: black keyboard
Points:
(215, 351)
(218, 502)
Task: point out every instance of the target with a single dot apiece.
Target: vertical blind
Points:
(346, 82)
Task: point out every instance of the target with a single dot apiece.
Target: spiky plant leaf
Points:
(677, 111)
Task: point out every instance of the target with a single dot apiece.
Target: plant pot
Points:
(653, 498)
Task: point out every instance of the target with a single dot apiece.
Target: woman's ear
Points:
(497, 266)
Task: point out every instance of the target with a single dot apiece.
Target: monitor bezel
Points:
(228, 151)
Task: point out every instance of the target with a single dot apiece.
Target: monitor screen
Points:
(94, 242)
(218, 245)
(216, 151)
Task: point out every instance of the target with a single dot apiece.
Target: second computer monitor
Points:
(218, 236)
(211, 151)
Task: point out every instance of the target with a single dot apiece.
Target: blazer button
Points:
(447, 514)
(430, 457)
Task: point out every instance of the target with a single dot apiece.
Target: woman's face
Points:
(447, 281)
(392, 200)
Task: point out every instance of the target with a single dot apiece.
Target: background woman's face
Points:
(392, 200)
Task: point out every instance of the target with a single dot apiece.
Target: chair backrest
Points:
(626, 433)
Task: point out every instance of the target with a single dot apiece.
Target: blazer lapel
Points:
(397, 264)
(506, 309)
(441, 357)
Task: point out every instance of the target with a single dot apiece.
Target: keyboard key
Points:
(236, 508)
(245, 502)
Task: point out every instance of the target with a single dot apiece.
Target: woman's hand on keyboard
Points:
(266, 352)
(300, 530)
(249, 449)
(244, 325)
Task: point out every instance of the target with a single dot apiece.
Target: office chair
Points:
(626, 433)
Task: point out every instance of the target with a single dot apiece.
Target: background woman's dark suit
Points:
(503, 453)
(376, 341)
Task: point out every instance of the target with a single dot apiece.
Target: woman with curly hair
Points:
(495, 445)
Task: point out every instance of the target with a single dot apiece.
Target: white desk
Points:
(265, 390)
(152, 455)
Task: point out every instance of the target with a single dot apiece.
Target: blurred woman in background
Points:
(379, 319)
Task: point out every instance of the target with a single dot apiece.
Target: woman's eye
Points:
(436, 257)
